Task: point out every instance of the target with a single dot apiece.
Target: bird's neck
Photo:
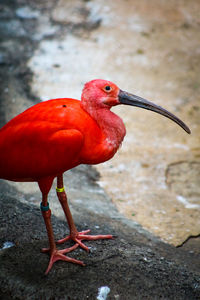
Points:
(111, 125)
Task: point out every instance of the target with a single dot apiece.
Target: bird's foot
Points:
(77, 237)
(59, 255)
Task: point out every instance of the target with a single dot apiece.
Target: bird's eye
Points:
(107, 88)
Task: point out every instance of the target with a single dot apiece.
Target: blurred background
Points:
(149, 48)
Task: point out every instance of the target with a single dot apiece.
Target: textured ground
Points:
(135, 265)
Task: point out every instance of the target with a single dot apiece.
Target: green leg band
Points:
(44, 208)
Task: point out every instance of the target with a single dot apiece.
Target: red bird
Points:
(54, 136)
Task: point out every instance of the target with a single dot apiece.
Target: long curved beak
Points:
(133, 100)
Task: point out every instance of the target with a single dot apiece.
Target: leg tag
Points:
(44, 208)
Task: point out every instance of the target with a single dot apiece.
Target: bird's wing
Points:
(39, 150)
(67, 141)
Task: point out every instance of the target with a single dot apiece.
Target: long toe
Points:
(96, 237)
(82, 237)
(67, 250)
(61, 241)
(78, 237)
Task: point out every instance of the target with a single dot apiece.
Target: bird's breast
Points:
(103, 139)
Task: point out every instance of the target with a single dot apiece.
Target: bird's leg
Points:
(74, 234)
(55, 254)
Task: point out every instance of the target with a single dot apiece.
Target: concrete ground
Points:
(152, 185)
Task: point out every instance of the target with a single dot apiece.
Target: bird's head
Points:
(100, 93)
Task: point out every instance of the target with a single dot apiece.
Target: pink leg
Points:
(74, 234)
(55, 254)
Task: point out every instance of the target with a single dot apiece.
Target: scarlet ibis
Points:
(56, 135)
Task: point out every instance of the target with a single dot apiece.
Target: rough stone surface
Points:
(135, 265)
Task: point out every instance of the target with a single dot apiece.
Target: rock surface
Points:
(136, 264)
